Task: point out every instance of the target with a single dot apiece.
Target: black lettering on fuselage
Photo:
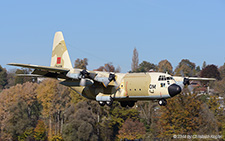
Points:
(152, 86)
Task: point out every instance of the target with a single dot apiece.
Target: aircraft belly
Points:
(85, 92)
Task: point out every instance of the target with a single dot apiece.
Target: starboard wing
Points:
(46, 68)
(45, 71)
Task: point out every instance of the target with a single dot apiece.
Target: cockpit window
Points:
(162, 78)
(169, 78)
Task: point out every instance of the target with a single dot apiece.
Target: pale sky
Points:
(107, 31)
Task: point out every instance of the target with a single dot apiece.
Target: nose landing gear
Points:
(162, 102)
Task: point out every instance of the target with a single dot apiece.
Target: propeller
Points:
(84, 76)
(112, 77)
(186, 82)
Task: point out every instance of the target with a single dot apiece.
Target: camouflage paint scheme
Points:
(129, 87)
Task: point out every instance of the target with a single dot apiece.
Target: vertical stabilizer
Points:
(60, 55)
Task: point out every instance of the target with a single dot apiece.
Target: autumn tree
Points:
(220, 87)
(117, 116)
(185, 66)
(54, 98)
(19, 111)
(222, 71)
(108, 67)
(11, 78)
(210, 71)
(40, 132)
(3, 77)
(81, 63)
(81, 122)
(165, 66)
(203, 65)
(21, 80)
(131, 130)
(146, 67)
(135, 60)
(187, 115)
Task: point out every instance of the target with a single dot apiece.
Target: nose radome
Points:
(174, 89)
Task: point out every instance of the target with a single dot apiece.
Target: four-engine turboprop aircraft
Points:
(106, 87)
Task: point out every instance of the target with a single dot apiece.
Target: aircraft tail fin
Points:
(60, 56)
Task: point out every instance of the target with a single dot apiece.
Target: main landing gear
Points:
(108, 103)
(162, 102)
(122, 103)
(127, 103)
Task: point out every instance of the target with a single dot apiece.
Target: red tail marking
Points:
(58, 60)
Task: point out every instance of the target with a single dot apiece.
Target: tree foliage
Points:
(131, 130)
(187, 115)
(165, 66)
(21, 80)
(222, 71)
(187, 67)
(80, 123)
(135, 60)
(81, 63)
(146, 67)
(50, 111)
(19, 110)
(203, 65)
(40, 131)
(55, 98)
(108, 67)
(3, 77)
(210, 71)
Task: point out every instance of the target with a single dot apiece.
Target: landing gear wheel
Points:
(109, 103)
(123, 103)
(131, 103)
(102, 103)
(162, 102)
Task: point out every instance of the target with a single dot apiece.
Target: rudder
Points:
(60, 55)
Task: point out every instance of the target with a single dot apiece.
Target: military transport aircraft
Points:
(106, 87)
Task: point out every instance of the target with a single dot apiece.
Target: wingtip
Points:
(11, 64)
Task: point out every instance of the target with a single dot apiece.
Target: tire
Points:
(123, 104)
(162, 102)
(131, 103)
(101, 103)
(109, 103)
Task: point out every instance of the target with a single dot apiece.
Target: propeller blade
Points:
(105, 82)
(82, 82)
(116, 85)
(190, 88)
(107, 68)
(182, 73)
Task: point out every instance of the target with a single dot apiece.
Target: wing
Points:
(44, 71)
(202, 79)
(70, 75)
(179, 78)
(54, 69)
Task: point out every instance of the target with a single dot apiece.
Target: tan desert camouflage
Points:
(106, 87)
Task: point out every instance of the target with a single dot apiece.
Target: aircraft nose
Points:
(174, 89)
